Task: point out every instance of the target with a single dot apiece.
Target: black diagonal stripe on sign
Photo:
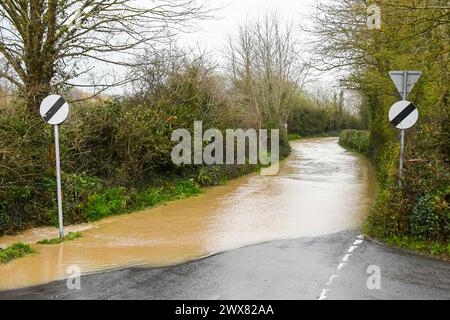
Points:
(54, 109)
(403, 115)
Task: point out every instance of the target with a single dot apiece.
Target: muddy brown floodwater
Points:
(321, 189)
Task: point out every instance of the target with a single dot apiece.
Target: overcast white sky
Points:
(213, 34)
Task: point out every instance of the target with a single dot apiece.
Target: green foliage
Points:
(356, 140)
(204, 177)
(419, 210)
(109, 150)
(78, 188)
(218, 174)
(388, 218)
(107, 203)
(70, 237)
(113, 151)
(114, 201)
(15, 251)
(184, 189)
(430, 217)
(168, 191)
(148, 198)
(309, 119)
(410, 39)
(3, 220)
(294, 136)
(24, 168)
(427, 247)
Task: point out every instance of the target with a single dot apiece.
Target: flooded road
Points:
(321, 189)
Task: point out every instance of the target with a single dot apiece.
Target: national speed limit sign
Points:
(54, 109)
(403, 115)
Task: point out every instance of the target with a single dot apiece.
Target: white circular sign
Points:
(54, 109)
(403, 115)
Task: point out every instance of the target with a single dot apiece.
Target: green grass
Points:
(116, 201)
(294, 136)
(154, 196)
(70, 237)
(427, 247)
(441, 250)
(15, 251)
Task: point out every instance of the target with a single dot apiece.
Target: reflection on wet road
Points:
(321, 189)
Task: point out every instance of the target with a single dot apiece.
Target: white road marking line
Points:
(323, 295)
(341, 266)
(360, 240)
(331, 279)
(347, 256)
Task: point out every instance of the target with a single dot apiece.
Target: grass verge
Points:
(15, 251)
(294, 137)
(116, 201)
(70, 237)
(429, 248)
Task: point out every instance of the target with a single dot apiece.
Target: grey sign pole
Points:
(404, 82)
(55, 110)
(58, 182)
(402, 132)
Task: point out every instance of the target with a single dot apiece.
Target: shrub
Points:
(357, 140)
(167, 191)
(184, 189)
(106, 203)
(3, 219)
(25, 165)
(112, 150)
(430, 217)
(77, 189)
(15, 251)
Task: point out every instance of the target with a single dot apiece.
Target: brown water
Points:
(320, 189)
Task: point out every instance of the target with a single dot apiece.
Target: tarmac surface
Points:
(333, 267)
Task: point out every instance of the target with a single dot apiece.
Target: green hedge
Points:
(357, 140)
(115, 158)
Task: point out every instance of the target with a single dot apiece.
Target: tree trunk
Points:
(34, 94)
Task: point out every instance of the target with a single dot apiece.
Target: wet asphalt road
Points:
(287, 269)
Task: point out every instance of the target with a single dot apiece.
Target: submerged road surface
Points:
(309, 268)
(282, 237)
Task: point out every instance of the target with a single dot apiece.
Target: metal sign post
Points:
(402, 132)
(404, 82)
(55, 110)
(58, 183)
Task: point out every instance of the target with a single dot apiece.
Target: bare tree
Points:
(267, 69)
(153, 70)
(47, 43)
(342, 40)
